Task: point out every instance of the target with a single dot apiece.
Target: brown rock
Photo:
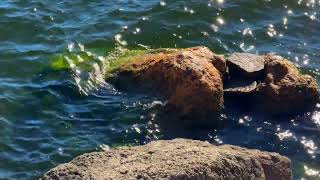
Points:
(249, 65)
(187, 78)
(204, 53)
(177, 159)
(285, 90)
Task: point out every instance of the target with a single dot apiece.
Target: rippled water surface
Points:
(48, 117)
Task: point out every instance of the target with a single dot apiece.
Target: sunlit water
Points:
(48, 117)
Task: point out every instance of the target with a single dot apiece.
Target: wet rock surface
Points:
(242, 90)
(280, 88)
(176, 159)
(246, 64)
(285, 89)
(191, 79)
(195, 81)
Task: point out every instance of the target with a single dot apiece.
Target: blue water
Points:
(49, 117)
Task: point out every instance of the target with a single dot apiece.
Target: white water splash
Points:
(89, 75)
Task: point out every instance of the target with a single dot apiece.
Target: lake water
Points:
(49, 117)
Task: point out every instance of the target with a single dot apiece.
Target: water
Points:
(49, 117)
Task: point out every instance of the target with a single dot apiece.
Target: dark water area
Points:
(49, 117)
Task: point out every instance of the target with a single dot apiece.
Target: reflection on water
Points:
(48, 117)
(309, 146)
(316, 118)
(311, 172)
(285, 134)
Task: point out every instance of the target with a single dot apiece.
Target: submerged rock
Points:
(284, 89)
(246, 64)
(176, 159)
(191, 79)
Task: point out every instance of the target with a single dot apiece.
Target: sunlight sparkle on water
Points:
(105, 147)
(246, 48)
(163, 3)
(316, 118)
(60, 150)
(247, 31)
(271, 31)
(309, 145)
(285, 21)
(285, 135)
(220, 20)
(118, 38)
(71, 47)
(215, 28)
(311, 172)
(136, 31)
(220, 1)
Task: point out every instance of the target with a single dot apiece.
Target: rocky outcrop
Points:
(191, 79)
(195, 81)
(284, 89)
(176, 159)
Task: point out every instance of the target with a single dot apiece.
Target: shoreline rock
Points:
(191, 78)
(195, 81)
(285, 90)
(281, 89)
(176, 159)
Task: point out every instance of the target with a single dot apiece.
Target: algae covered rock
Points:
(176, 159)
(194, 80)
(188, 78)
(285, 89)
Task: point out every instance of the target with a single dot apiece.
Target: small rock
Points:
(241, 91)
(192, 160)
(248, 65)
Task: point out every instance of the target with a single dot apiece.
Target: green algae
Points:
(124, 58)
(128, 56)
(111, 62)
(70, 60)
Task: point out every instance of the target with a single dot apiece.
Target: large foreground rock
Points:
(191, 79)
(178, 159)
(285, 89)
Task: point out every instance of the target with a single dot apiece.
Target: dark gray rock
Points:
(248, 65)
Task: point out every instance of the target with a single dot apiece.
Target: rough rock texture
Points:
(249, 65)
(285, 89)
(177, 159)
(241, 91)
(191, 79)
